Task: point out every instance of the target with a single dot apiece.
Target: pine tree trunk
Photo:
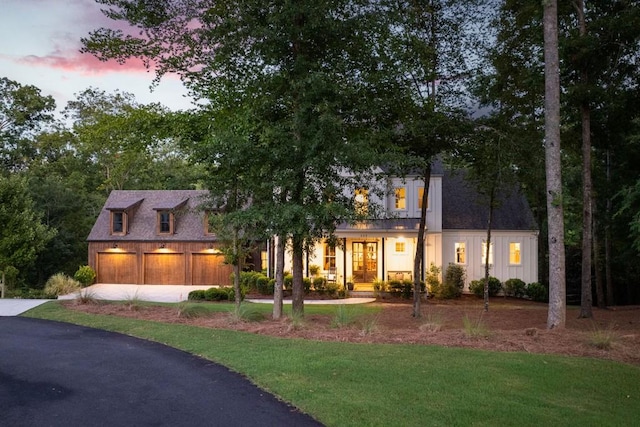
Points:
(277, 290)
(488, 251)
(607, 241)
(597, 261)
(556, 317)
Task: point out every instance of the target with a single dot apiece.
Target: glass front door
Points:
(365, 262)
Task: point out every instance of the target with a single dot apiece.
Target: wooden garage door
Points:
(209, 269)
(117, 268)
(164, 269)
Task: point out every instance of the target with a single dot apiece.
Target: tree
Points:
(22, 235)
(557, 291)
(291, 75)
(23, 112)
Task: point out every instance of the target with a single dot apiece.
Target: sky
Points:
(40, 46)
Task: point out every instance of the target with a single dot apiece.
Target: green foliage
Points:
(247, 313)
(61, 284)
(85, 275)
(306, 284)
(320, 285)
(379, 286)
(515, 288)
(197, 295)
(433, 279)
(537, 292)
(214, 294)
(287, 282)
(332, 289)
(477, 287)
(475, 329)
(453, 283)
(192, 311)
(314, 270)
(402, 288)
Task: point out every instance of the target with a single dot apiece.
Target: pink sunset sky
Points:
(40, 43)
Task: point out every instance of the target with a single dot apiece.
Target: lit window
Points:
(118, 222)
(165, 222)
(399, 247)
(484, 253)
(401, 198)
(461, 253)
(514, 253)
(420, 196)
(362, 201)
(329, 257)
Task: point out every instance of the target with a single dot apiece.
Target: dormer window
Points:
(165, 222)
(118, 222)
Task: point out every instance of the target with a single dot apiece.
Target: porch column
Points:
(344, 261)
(383, 257)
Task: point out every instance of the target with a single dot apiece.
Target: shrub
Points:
(320, 284)
(288, 282)
(306, 285)
(262, 284)
(61, 284)
(189, 311)
(515, 288)
(453, 283)
(537, 292)
(246, 313)
(85, 275)
(477, 287)
(197, 295)
(379, 286)
(332, 289)
(271, 285)
(433, 279)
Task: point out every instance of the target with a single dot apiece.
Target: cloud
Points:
(83, 63)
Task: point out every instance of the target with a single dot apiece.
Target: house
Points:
(456, 233)
(156, 237)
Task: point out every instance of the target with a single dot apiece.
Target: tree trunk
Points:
(586, 301)
(277, 290)
(488, 251)
(597, 261)
(607, 240)
(298, 288)
(237, 268)
(556, 317)
(418, 260)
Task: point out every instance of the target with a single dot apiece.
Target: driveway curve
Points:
(58, 374)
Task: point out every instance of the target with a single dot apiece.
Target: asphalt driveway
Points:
(57, 374)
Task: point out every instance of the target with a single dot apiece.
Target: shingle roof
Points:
(143, 205)
(464, 209)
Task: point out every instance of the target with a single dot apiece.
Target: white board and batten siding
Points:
(502, 268)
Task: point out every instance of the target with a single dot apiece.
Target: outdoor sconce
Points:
(161, 245)
(115, 246)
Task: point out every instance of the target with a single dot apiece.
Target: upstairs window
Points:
(400, 247)
(362, 201)
(165, 222)
(420, 196)
(514, 253)
(118, 222)
(401, 198)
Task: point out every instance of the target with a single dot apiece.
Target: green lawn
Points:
(344, 384)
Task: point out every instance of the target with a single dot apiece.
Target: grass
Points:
(346, 384)
(475, 329)
(603, 338)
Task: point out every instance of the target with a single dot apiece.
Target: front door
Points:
(365, 262)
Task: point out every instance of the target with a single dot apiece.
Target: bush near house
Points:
(85, 275)
(61, 284)
(537, 292)
(403, 288)
(223, 293)
(477, 287)
(515, 288)
(453, 283)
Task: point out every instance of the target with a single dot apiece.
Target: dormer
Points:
(166, 216)
(121, 215)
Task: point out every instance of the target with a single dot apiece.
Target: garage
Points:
(210, 269)
(164, 269)
(118, 268)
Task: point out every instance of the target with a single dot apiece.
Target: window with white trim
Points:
(401, 198)
(420, 196)
(514, 253)
(461, 252)
(484, 253)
